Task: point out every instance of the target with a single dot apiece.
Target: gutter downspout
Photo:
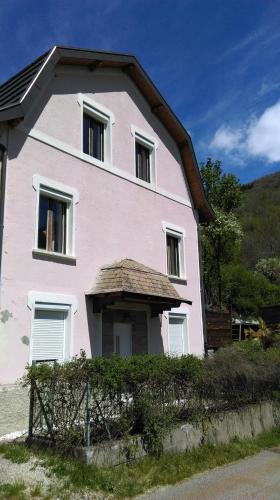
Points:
(202, 291)
(3, 177)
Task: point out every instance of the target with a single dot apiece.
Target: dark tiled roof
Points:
(132, 277)
(12, 91)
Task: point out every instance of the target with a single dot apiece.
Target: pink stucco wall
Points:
(115, 218)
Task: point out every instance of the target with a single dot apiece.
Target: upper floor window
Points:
(173, 259)
(97, 124)
(175, 251)
(52, 224)
(145, 156)
(55, 224)
(93, 137)
(143, 164)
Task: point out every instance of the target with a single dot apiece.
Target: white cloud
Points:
(264, 135)
(260, 137)
(227, 139)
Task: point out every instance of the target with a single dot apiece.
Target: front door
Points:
(122, 339)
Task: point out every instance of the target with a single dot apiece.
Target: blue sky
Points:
(215, 61)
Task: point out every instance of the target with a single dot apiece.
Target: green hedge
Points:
(85, 401)
(118, 373)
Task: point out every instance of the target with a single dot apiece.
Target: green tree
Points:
(270, 268)
(221, 237)
(222, 190)
(247, 290)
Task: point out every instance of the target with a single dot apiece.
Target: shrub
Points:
(86, 401)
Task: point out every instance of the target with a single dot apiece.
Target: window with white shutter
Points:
(176, 335)
(48, 335)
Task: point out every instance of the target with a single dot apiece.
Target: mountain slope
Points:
(260, 217)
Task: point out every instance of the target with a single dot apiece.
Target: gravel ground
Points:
(254, 478)
(29, 472)
(32, 474)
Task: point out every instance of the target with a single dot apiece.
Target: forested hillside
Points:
(260, 218)
(241, 247)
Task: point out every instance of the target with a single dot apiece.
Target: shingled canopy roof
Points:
(19, 92)
(131, 281)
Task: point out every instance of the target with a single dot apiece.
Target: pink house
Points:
(100, 203)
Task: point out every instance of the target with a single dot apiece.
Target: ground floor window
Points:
(177, 334)
(51, 326)
(50, 335)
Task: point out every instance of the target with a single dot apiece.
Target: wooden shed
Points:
(218, 329)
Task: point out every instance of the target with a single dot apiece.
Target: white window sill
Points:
(53, 256)
(145, 184)
(178, 279)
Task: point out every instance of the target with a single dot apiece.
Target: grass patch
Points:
(14, 490)
(36, 491)
(15, 452)
(126, 481)
(129, 480)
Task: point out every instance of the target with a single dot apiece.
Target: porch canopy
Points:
(130, 281)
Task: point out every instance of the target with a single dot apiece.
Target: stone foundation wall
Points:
(244, 423)
(14, 409)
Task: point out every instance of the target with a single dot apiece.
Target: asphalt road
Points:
(256, 477)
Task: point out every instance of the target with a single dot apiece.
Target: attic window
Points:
(93, 137)
(145, 156)
(96, 129)
(143, 163)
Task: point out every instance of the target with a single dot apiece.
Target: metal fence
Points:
(82, 415)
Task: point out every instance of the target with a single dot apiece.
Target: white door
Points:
(48, 335)
(122, 339)
(176, 333)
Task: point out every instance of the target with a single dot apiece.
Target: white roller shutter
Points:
(176, 336)
(48, 335)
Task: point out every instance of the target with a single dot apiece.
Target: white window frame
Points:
(54, 302)
(102, 115)
(144, 139)
(179, 233)
(61, 192)
(184, 318)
